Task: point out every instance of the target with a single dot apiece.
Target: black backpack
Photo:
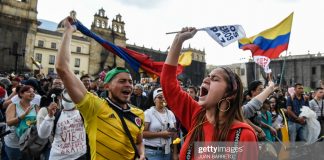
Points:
(57, 116)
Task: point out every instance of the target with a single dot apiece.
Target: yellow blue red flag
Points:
(271, 42)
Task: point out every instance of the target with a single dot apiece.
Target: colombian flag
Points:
(271, 42)
(137, 61)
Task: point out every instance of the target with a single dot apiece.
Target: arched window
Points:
(98, 23)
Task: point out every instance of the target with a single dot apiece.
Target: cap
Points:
(112, 73)
(157, 92)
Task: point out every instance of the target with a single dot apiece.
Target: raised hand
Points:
(186, 33)
(52, 109)
(68, 24)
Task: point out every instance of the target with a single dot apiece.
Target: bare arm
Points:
(8, 100)
(7, 103)
(11, 115)
(73, 85)
(266, 92)
(258, 130)
(183, 35)
(291, 113)
(140, 146)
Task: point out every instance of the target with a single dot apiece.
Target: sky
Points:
(147, 21)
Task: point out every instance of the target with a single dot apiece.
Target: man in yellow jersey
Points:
(105, 119)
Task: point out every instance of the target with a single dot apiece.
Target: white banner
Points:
(225, 35)
(263, 62)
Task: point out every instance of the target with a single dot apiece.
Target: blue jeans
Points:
(152, 154)
(16, 154)
(13, 153)
(46, 153)
(296, 130)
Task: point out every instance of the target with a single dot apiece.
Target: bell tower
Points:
(100, 20)
(100, 58)
(118, 25)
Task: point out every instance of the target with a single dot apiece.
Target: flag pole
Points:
(200, 29)
(283, 69)
(284, 63)
(255, 74)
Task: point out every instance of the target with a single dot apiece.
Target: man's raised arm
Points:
(73, 85)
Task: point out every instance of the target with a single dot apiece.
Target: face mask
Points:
(67, 105)
(67, 102)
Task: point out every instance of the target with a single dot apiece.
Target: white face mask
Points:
(67, 102)
(67, 105)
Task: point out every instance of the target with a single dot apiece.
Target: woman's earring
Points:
(220, 102)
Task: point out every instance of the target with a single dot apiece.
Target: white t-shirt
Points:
(70, 137)
(158, 122)
(15, 99)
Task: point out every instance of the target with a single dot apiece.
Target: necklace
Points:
(23, 105)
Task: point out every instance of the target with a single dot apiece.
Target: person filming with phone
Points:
(159, 129)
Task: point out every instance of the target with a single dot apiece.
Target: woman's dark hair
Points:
(23, 89)
(253, 86)
(46, 100)
(277, 109)
(234, 89)
(266, 102)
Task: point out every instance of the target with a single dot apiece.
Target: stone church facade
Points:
(22, 38)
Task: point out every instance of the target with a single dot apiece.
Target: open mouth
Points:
(126, 92)
(203, 91)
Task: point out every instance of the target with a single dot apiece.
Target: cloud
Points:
(143, 4)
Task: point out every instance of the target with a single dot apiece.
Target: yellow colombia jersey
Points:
(107, 138)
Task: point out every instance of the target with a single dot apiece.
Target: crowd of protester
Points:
(30, 99)
(110, 117)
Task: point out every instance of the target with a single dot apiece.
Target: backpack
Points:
(57, 116)
(30, 143)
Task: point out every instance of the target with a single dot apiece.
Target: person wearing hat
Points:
(160, 128)
(113, 125)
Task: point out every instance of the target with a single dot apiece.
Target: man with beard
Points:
(114, 127)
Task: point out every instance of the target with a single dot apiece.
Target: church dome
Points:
(61, 24)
